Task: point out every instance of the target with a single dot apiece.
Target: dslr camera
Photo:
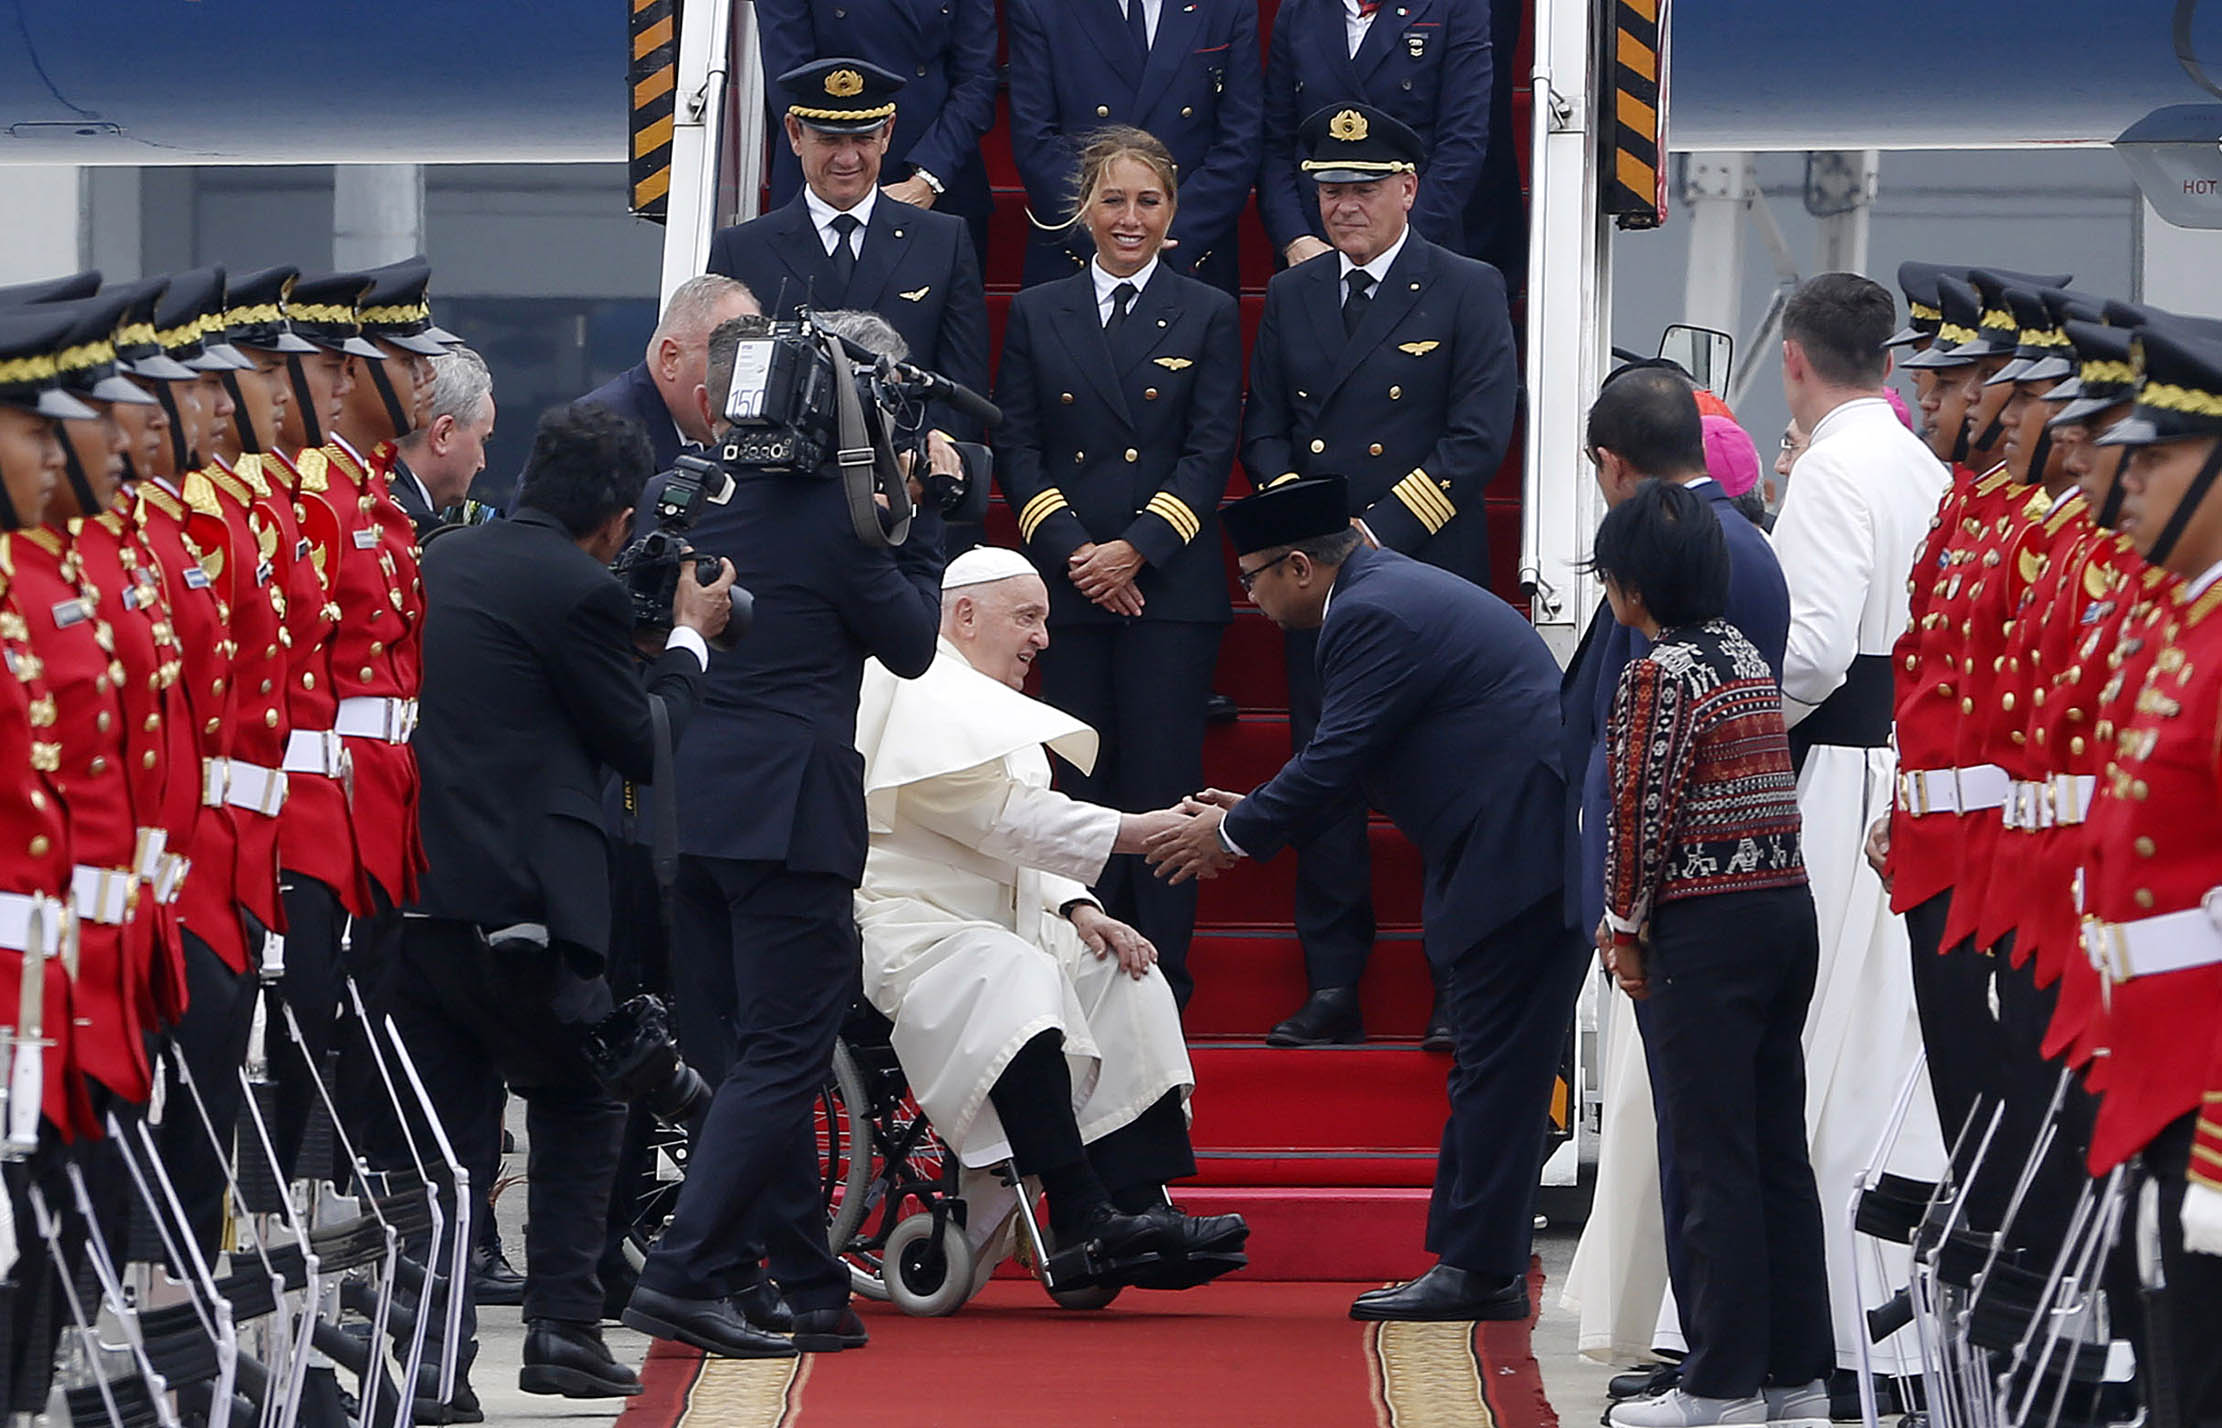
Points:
(651, 565)
(635, 1059)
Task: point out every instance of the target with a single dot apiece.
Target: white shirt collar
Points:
(2205, 581)
(1355, 22)
(1696, 481)
(823, 213)
(1107, 284)
(1378, 269)
(1846, 410)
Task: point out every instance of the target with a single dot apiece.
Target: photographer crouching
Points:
(532, 692)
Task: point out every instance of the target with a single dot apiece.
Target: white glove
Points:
(2202, 1219)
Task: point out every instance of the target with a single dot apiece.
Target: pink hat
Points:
(1730, 457)
(1898, 405)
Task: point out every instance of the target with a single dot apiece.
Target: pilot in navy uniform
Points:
(1121, 390)
(842, 243)
(945, 51)
(1389, 362)
(1183, 70)
(1427, 62)
(770, 794)
(1439, 706)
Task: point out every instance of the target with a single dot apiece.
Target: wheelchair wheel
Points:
(844, 1127)
(927, 1276)
(1095, 1296)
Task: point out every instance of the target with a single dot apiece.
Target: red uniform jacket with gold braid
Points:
(209, 906)
(86, 717)
(34, 828)
(316, 829)
(159, 760)
(2043, 617)
(2156, 847)
(1999, 579)
(1928, 684)
(2120, 636)
(374, 654)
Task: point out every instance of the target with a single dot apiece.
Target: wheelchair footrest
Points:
(1086, 1265)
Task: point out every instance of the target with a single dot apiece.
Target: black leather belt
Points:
(1856, 716)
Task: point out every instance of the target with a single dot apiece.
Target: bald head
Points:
(998, 625)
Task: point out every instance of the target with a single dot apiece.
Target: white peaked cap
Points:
(984, 565)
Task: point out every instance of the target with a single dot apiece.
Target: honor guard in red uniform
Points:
(2152, 906)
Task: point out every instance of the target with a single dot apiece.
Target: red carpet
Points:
(1237, 1353)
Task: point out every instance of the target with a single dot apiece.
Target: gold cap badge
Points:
(844, 83)
(1349, 126)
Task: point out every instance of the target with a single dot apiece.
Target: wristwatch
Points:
(930, 181)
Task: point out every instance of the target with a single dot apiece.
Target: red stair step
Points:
(1250, 669)
(1255, 893)
(1339, 1169)
(1248, 980)
(1361, 1235)
(1260, 1101)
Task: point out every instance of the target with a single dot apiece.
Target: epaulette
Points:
(2069, 510)
(310, 465)
(200, 495)
(249, 471)
(152, 494)
(1997, 477)
(279, 472)
(2209, 600)
(2033, 509)
(348, 463)
(231, 485)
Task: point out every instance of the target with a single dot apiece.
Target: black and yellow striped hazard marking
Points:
(653, 75)
(1635, 158)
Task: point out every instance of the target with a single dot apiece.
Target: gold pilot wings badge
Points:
(916, 293)
(1418, 349)
(1174, 364)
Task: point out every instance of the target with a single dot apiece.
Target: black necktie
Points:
(844, 255)
(1122, 298)
(1137, 28)
(1360, 283)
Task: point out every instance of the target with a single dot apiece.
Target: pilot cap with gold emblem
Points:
(1357, 143)
(840, 96)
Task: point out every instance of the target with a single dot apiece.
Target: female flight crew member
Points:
(1121, 389)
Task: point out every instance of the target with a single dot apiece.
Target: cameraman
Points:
(531, 691)
(771, 848)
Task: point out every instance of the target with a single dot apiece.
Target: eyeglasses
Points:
(1249, 578)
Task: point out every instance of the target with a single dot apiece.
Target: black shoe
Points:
(1221, 709)
(493, 1281)
(1446, 1294)
(618, 1278)
(711, 1325)
(1438, 1036)
(762, 1306)
(462, 1405)
(571, 1360)
(1194, 1249)
(1329, 1017)
(828, 1331)
(1644, 1382)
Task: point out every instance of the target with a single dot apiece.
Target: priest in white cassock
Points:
(1859, 504)
(1031, 1025)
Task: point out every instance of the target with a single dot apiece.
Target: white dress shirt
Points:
(1378, 269)
(1355, 23)
(823, 213)
(1107, 285)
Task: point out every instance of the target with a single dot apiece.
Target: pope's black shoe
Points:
(827, 1331)
(1644, 1382)
(762, 1306)
(711, 1325)
(1444, 1294)
(1329, 1017)
(493, 1281)
(571, 1360)
(1438, 1036)
(1194, 1249)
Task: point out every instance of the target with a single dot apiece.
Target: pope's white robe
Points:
(965, 950)
(1859, 505)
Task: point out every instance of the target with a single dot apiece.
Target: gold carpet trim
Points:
(745, 1393)
(1429, 1376)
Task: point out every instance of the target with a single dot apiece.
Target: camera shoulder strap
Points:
(867, 465)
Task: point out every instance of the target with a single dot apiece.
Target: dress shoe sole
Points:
(830, 1343)
(1439, 1045)
(1485, 1311)
(1284, 1041)
(564, 1382)
(657, 1328)
(1188, 1273)
(432, 1411)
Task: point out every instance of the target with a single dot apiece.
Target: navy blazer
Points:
(1427, 62)
(1130, 438)
(632, 393)
(771, 771)
(1416, 407)
(916, 269)
(945, 52)
(531, 690)
(1437, 703)
(1758, 605)
(1201, 93)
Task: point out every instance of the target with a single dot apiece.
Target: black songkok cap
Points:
(1287, 514)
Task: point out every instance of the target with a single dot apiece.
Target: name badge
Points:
(366, 539)
(195, 578)
(301, 548)
(262, 573)
(1415, 44)
(131, 599)
(70, 612)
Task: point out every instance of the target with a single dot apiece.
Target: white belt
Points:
(389, 720)
(103, 895)
(169, 878)
(255, 788)
(214, 778)
(2024, 808)
(22, 913)
(2170, 942)
(1923, 792)
(316, 751)
(147, 861)
(2068, 798)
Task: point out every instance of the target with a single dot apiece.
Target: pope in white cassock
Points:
(1030, 1024)
(1859, 504)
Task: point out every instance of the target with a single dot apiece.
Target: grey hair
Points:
(866, 329)
(693, 304)
(460, 385)
(1331, 549)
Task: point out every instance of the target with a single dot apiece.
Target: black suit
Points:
(632, 393)
(531, 691)
(1128, 436)
(1415, 408)
(766, 958)
(409, 493)
(916, 268)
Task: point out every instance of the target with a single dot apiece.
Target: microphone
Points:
(933, 385)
